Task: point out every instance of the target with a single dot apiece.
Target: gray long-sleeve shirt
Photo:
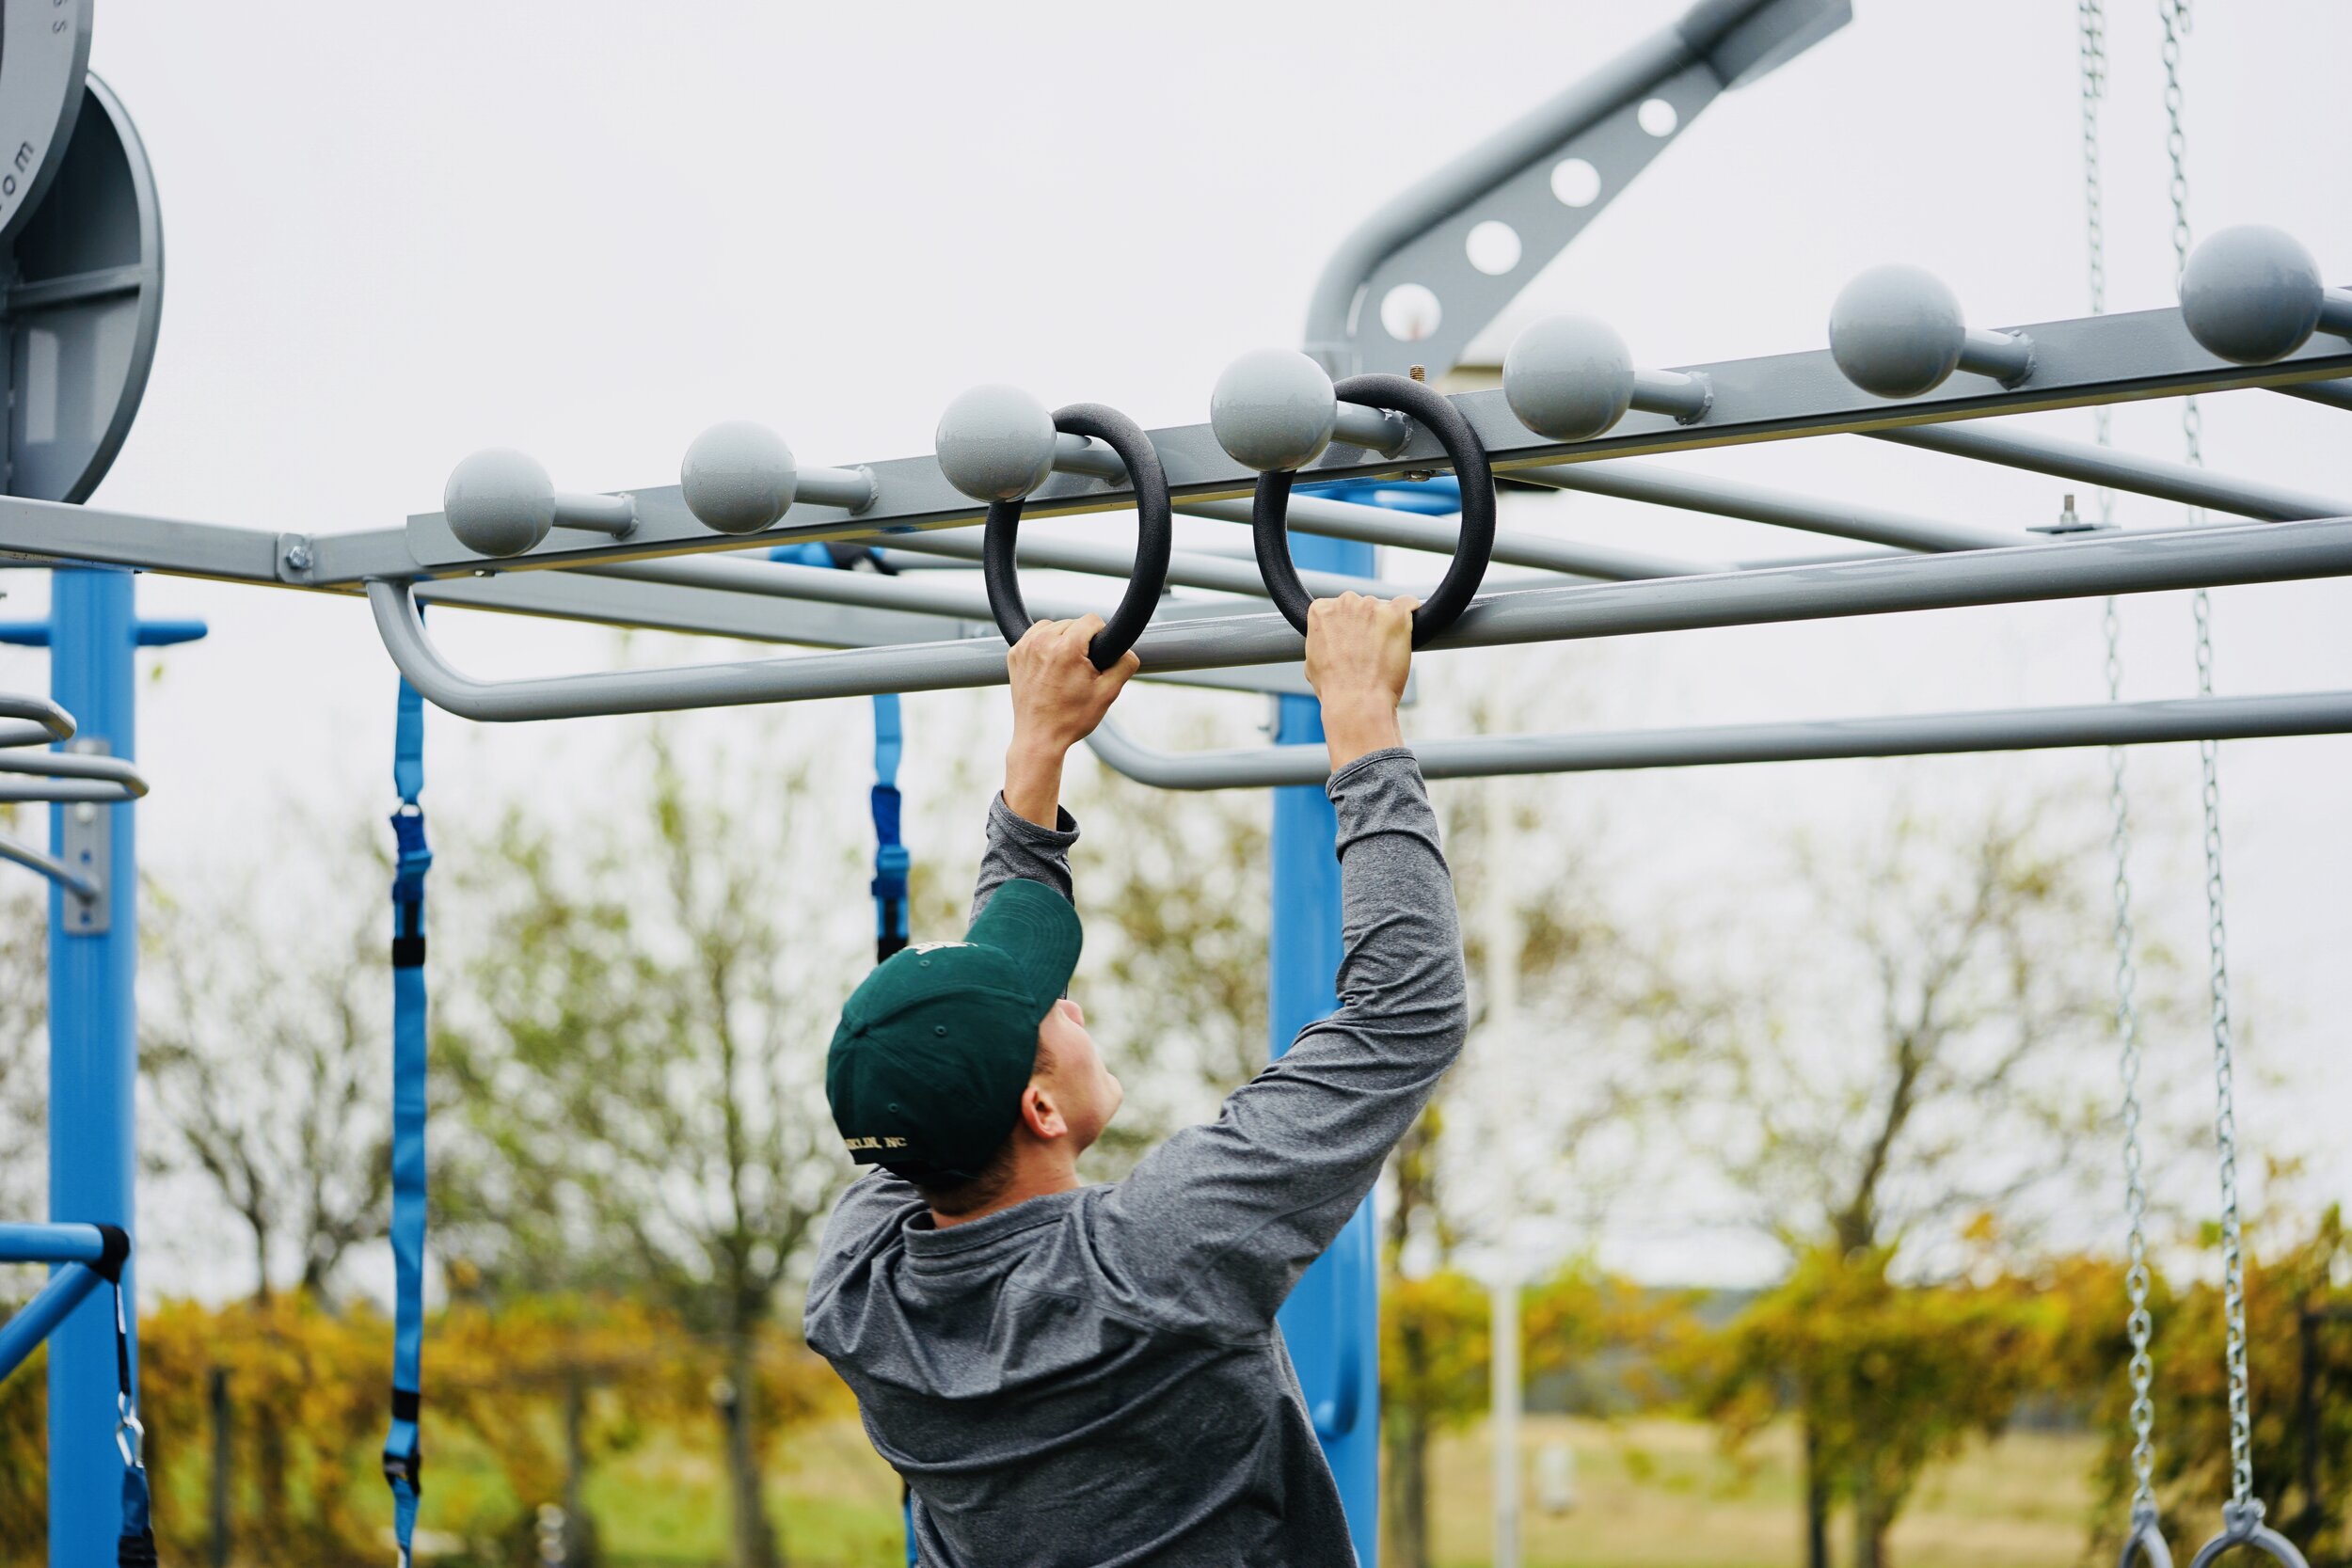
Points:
(1093, 1378)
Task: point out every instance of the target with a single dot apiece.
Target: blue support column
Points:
(1332, 1322)
(93, 1064)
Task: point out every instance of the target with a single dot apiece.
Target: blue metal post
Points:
(1332, 1321)
(93, 1063)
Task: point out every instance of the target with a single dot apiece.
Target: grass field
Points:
(1650, 1494)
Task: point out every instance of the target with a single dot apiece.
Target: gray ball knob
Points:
(739, 476)
(2251, 294)
(1896, 331)
(1569, 378)
(498, 502)
(995, 443)
(1274, 410)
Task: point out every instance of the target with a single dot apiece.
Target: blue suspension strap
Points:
(134, 1548)
(891, 860)
(403, 1456)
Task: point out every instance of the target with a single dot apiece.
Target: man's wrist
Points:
(1033, 778)
(1352, 728)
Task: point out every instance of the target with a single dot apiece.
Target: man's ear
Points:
(1039, 1114)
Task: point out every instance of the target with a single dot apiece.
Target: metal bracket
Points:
(88, 844)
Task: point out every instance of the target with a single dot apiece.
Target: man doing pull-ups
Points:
(1073, 1377)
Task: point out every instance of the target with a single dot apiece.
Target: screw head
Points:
(1896, 331)
(739, 476)
(2251, 294)
(498, 502)
(1273, 410)
(298, 556)
(995, 443)
(1569, 378)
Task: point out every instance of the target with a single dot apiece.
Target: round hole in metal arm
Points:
(1270, 515)
(2242, 1525)
(1154, 535)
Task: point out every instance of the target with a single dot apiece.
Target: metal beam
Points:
(1803, 741)
(2064, 569)
(1760, 503)
(2335, 394)
(2090, 359)
(20, 853)
(575, 595)
(1187, 568)
(2119, 471)
(1376, 525)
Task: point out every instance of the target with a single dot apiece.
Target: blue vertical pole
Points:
(93, 1062)
(1332, 1321)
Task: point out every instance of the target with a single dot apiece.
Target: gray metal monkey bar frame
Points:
(628, 566)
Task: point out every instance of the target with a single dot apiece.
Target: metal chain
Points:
(2175, 16)
(2137, 1323)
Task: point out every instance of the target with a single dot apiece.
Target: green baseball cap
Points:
(934, 1048)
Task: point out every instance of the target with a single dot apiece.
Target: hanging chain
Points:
(2175, 15)
(2138, 1322)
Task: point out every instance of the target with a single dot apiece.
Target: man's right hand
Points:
(1360, 651)
(1058, 696)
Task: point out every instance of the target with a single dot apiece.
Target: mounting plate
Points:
(81, 292)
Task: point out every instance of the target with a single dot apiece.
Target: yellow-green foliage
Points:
(309, 1395)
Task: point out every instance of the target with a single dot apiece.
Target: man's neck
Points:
(1040, 1177)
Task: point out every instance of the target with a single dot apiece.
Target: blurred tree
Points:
(640, 1061)
(23, 1046)
(1884, 1378)
(1867, 1136)
(266, 1052)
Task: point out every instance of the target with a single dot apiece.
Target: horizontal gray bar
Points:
(107, 778)
(2335, 394)
(1760, 503)
(1185, 569)
(2145, 476)
(1377, 525)
(2066, 568)
(1804, 740)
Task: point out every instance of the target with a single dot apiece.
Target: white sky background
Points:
(398, 234)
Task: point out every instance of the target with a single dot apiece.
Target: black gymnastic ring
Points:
(1154, 535)
(1269, 513)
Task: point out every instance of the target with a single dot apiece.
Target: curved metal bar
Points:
(23, 854)
(2145, 1545)
(1804, 740)
(2067, 568)
(2242, 1525)
(77, 765)
(32, 721)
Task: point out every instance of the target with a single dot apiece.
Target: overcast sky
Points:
(396, 233)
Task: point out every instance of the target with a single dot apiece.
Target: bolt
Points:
(1419, 372)
(298, 556)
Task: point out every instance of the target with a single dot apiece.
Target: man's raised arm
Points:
(1058, 698)
(1215, 1226)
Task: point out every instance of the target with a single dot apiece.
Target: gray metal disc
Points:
(44, 55)
(84, 289)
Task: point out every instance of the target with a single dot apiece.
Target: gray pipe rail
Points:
(2089, 464)
(2063, 568)
(32, 721)
(20, 853)
(1760, 503)
(1801, 740)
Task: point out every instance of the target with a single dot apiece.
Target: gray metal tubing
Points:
(2065, 569)
(1376, 525)
(1803, 741)
(32, 721)
(96, 792)
(48, 866)
(2335, 394)
(1759, 503)
(1777, 397)
(829, 585)
(1187, 568)
(2096, 465)
(78, 766)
